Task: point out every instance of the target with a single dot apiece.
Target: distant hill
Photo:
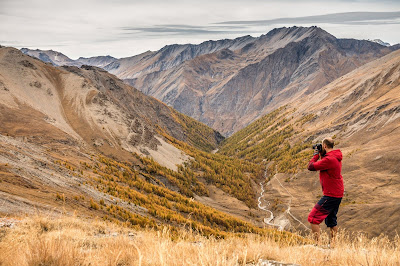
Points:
(59, 59)
(97, 100)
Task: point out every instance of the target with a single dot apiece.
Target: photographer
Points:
(330, 167)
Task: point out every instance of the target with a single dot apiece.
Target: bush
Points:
(94, 205)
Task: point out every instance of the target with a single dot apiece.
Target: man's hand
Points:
(313, 160)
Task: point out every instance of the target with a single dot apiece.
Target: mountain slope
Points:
(361, 111)
(80, 139)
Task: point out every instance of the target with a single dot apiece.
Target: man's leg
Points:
(316, 232)
(331, 221)
(334, 231)
(332, 238)
(316, 216)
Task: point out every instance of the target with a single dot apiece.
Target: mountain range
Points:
(227, 84)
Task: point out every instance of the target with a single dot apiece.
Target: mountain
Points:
(129, 117)
(170, 56)
(59, 59)
(50, 56)
(81, 140)
(98, 61)
(86, 133)
(231, 85)
(361, 111)
(64, 157)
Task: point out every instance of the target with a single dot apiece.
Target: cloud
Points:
(245, 27)
(185, 30)
(351, 18)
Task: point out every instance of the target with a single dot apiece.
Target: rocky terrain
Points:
(362, 109)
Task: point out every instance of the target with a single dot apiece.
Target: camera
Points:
(317, 146)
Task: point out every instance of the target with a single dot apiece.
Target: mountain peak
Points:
(295, 33)
(100, 56)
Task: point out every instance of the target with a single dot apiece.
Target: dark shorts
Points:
(326, 208)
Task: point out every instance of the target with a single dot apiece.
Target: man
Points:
(330, 177)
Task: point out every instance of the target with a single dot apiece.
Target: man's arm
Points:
(316, 165)
(313, 160)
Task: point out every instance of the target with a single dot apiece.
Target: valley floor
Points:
(69, 240)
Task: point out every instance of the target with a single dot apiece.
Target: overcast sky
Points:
(122, 28)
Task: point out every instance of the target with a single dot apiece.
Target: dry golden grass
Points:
(77, 241)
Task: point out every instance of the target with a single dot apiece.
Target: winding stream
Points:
(267, 220)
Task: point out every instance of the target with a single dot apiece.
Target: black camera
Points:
(317, 146)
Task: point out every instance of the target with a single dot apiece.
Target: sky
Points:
(123, 28)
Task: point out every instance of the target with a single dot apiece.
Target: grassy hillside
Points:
(232, 175)
(273, 138)
(148, 194)
(198, 134)
(92, 144)
(76, 241)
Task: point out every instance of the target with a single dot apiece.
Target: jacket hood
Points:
(337, 154)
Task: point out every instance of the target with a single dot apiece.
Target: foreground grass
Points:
(76, 241)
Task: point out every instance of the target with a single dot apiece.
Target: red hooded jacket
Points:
(330, 177)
